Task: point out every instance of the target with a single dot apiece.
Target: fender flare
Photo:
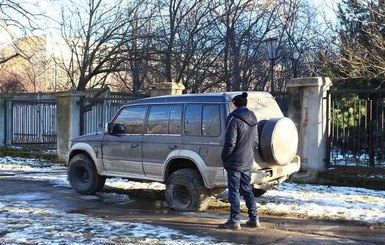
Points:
(86, 148)
(197, 160)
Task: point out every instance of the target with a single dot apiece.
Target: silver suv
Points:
(177, 140)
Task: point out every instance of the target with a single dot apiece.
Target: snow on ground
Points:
(299, 200)
(23, 222)
(325, 202)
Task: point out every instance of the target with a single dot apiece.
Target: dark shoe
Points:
(253, 223)
(230, 225)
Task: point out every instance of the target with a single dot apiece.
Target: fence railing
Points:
(31, 119)
(33, 122)
(99, 110)
(356, 128)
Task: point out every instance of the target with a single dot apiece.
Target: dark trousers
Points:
(238, 183)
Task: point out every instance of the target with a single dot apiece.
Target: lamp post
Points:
(271, 44)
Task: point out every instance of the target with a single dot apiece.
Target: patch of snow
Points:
(19, 224)
(330, 202)
(22, 223)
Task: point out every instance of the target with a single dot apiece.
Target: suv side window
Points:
(211, 120)
(192, 125)
(202, 120)
(175, 123)
(164, 119)
(133, 119)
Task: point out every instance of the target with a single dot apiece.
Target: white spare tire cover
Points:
(278, 140)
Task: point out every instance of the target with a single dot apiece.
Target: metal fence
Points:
(97, 111)
(31, 119)
(356, 128)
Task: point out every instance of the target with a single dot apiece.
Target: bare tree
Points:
(177, 21)
(243, 26)
(15, 17)
(98, 35)
(11, 84)
(20, 49)
(206, 45)
(358, 53)
(195, 51)
(218, 45)
(301, 38)
(142, 54)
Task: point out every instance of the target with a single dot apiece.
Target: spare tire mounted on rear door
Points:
(278, 140)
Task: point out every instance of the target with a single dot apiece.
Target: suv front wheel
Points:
(185, 191)
(83, 176)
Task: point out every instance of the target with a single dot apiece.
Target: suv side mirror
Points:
(117, 128)
(108, 128)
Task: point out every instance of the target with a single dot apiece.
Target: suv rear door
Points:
(203, 131)
(162, 136)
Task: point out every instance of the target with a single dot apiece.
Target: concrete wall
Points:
(307, 108)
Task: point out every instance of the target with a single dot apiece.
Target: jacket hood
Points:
(246, 115)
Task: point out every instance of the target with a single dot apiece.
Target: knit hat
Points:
(240, 100)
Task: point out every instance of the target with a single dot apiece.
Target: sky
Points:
(51, 9)
(326, 8)
(18, 217)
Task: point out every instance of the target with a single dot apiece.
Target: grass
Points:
(21, 152)
(364, 177)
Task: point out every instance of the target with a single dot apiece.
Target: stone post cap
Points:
(169, 85)
(167, 88)
(309, 81)
(71, 93)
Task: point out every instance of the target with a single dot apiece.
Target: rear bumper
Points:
(267, 178)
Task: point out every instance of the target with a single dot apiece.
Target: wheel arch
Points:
(186, 159)
(86, 149)
(179, 163)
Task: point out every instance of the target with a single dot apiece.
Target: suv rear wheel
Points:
(185, 191)
(83, 176)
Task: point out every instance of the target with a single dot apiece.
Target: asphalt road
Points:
(148, 208)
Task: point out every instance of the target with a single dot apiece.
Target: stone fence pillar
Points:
(167, 88)
(68, 121)
(5, 120)
(307, 108)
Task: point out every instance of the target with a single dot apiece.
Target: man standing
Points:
(238, 155)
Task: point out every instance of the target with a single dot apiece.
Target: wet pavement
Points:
(148, 207)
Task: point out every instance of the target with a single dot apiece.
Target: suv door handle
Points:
(134, 145)
(172, 147)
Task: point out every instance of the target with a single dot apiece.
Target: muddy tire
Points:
(258, 192)
(278, 140)
(185, 191)
(83, 176)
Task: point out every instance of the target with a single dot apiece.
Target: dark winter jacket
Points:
(241, 140)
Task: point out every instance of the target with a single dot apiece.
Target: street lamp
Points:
(271, 44)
